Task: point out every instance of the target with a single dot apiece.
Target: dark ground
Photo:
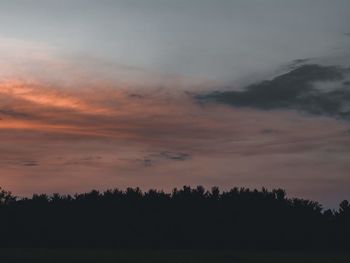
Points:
(169, 256)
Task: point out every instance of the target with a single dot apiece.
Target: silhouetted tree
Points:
(344, 208)
(185, 218)
(6, 197)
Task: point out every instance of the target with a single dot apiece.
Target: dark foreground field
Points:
(169, 256)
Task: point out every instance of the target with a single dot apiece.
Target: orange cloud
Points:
(44, 96)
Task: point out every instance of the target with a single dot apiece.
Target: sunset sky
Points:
(160, 94)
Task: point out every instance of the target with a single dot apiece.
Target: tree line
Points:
(240, 218)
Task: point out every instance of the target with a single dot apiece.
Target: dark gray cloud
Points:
(153, 158)
(29, 163)
(13, 113)
(311, 88)
(175, 156)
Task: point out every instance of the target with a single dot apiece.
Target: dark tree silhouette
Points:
(344, 208)
(185, 218)
(6, 197)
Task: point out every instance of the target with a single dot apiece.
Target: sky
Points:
(161, 94)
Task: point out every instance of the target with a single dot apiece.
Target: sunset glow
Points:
(116, 97)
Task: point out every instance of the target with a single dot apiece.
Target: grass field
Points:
(166, 256)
